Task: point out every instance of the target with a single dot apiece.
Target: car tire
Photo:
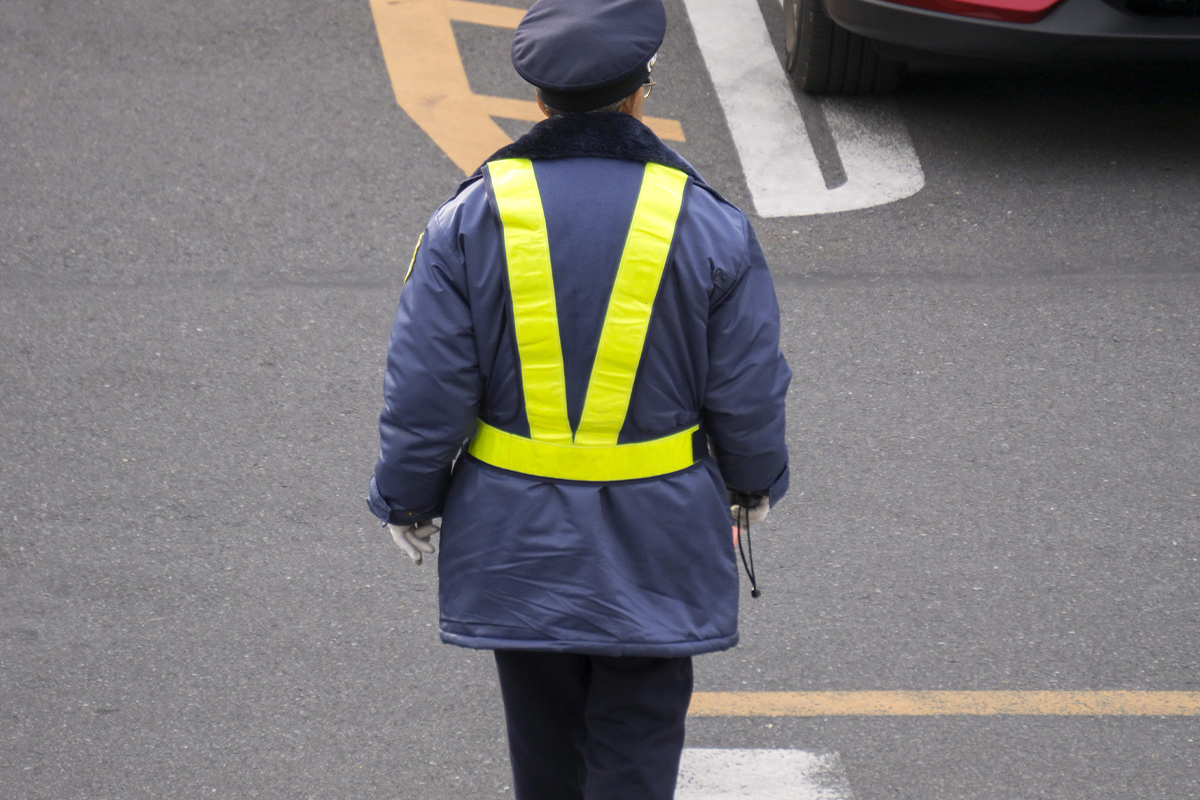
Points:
(825, 58)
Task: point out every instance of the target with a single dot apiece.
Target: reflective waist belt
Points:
(573, 462)
(590, 453)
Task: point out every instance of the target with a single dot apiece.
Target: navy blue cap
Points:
(585, 54)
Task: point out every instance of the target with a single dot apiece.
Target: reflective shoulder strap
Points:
(531, 283)
(630, 304)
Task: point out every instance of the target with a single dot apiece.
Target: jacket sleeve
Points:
(431, 388)
(748, 380)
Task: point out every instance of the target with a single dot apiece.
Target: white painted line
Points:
(714, 774)
(781, 170)
(769, 134)
(877, 154)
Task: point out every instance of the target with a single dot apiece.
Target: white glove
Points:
(750, 514)
(414, 539)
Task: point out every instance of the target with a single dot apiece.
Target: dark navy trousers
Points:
(594, 727)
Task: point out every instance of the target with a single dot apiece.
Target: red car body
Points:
(1027, 30)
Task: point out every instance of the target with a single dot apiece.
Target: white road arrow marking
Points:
(714, 774)
(781, 168)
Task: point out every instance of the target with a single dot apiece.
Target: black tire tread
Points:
(828, 59)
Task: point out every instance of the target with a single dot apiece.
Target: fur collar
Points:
(593, 135)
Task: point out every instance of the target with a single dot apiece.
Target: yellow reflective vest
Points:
(590, 453)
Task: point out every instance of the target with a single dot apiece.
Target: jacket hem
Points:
(651, 649)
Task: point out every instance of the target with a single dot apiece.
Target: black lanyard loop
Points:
(748, 565)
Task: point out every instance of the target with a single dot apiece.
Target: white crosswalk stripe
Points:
(759, 774)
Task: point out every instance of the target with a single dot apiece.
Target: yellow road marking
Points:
(431, 85)
(484, 13)
(915, 704)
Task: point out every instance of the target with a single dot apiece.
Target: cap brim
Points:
(595, 98)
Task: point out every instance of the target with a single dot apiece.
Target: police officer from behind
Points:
(599, 327)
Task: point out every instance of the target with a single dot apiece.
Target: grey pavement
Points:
(205, 213)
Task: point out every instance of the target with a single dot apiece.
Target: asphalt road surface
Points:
(206, 210)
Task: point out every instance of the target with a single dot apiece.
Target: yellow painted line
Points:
(668, 129)
(921, 704)
(431, 85)
(484, 13)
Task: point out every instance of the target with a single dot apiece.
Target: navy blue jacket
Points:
(643, 567)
